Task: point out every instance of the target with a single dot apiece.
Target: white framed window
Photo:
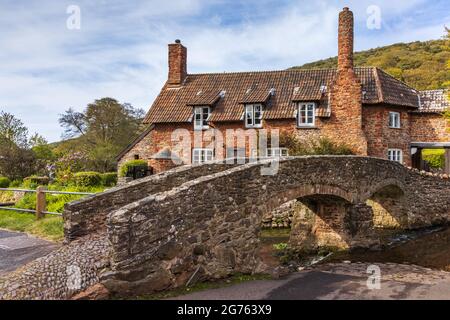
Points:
(201, 117)
(394, 120)
(306, 114)
(395, 155)
(200, 155)
(253, 115)
(277, 152)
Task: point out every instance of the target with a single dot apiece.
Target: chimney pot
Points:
(177, 41)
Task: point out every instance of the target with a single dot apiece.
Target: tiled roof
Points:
(396, 92)
(434, 101)
(257, 95)
(205, 98)
(174, 104)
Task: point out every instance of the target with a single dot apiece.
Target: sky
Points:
(58, 54)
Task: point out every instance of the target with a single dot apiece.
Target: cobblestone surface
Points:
(60, 274)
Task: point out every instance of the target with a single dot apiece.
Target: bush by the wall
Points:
(87, 179)
(128, 167)
(324, 146)
(34, 181)
(436, 161)
(15, 183)
(4, 182)
(109, 179)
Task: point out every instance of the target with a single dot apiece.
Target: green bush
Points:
(436, 161)
(109, 179)
(127, 167)
(87, 179)
(320, 146)
(34, 181)
(4, 182)
(15, 184)
(325, 146)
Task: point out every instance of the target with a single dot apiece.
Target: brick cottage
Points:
(364, 107)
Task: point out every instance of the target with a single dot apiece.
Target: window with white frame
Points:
(395, 155)
(201, 117)
(277, 152)
(200, 155)
(253, 116)
(306, 114)
(394, 120)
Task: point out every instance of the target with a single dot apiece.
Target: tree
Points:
(13, 130)
(102, 130)
(16, 159)
(43, 153)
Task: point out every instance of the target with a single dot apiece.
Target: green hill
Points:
(422, 65)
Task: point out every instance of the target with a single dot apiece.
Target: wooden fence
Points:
(41, 200)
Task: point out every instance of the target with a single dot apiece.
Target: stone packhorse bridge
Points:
(203, 222)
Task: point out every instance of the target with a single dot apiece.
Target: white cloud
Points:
(121, 49)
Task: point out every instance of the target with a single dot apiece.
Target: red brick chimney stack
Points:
(346, 97)
(345, 40)
(177, 63)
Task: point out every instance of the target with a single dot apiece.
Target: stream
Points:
(427, 247)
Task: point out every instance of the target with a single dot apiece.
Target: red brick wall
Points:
(380, 137)
(429, 127)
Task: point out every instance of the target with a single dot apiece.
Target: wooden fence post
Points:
(40, 202)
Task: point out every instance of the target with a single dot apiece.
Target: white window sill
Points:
(201, 129)
(306, 127)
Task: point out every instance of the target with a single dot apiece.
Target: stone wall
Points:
(281, 217)
(88, 215)
(208, 227)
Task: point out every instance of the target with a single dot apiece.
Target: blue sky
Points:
(120, 49)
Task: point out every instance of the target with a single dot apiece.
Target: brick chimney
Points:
(177, 63)
(345, 40)
(346, 123)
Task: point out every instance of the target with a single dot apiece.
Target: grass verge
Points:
(50, 227)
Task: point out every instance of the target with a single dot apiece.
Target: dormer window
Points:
(306, 114)
(394, 120)
(201, 117)
(253, 115)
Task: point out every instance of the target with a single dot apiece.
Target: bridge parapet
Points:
(88, 215)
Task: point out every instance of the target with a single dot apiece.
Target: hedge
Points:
(87, 179)
(34, 181)
(109, 179)
(436, 161)
(128, 166)
(4, 182)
